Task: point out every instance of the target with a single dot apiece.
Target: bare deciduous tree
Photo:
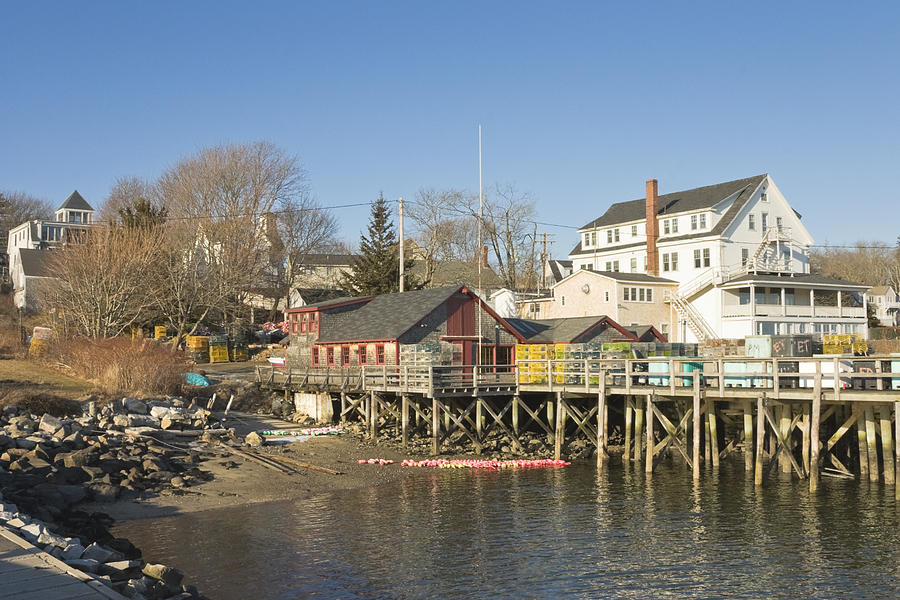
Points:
(444, 229)
(105, 283)
(18, 207)
(298, 227)
(871, 263)
(226, 192)
(508, 218)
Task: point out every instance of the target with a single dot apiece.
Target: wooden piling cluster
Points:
(804, 430)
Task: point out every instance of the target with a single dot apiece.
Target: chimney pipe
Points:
(652, 228)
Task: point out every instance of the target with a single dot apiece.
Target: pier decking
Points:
(777, 406)
(27, 573)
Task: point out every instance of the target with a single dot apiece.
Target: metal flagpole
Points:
(480, 248)
(402, 276)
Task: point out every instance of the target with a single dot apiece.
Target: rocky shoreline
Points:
(49, 466)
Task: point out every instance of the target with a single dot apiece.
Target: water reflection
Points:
(575, 533)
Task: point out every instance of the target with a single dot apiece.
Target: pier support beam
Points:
(887, 444)
(404, 417)
(695, 453)
(814, 417)
(804, 449)
(638, 429)
(515, 415)
(713, 434)
(871, 444)
(435, 427)
(748, 436)
(560, 424)
(784, 424)
(373, 416)
(629, 411)
(760, 438)
(863, 450)
(602, 425)
(648, 467)
(479, 422)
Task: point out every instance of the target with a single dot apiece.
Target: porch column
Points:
(812, 302)
(783, 305)
(840, 305)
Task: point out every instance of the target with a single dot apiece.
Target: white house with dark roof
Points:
(886, 304)
(631, 299)
(714, 240)
(71, 219)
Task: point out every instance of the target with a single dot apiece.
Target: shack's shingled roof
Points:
(679, 202)
(75, 202)
(564, 330)
(388, 316)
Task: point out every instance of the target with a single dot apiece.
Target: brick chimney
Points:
(652, 228)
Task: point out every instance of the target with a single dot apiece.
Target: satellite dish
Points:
(586, 288)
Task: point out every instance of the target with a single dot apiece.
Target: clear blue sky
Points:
(580, 102)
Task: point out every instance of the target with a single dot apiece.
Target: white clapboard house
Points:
(739, 253)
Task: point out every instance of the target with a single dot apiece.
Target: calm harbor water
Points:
(549, 533)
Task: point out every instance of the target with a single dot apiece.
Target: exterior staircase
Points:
(767, 257)
(695, 321)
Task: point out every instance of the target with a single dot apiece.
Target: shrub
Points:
(122, 365)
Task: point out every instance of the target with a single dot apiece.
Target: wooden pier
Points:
(27, 573)
(807, 416)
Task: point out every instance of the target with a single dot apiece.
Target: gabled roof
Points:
(327, 260)
(622, 277)
(679, 202)
(75, 202)
(565, 330)
(456, 272)
(388, 316)
(316, 295)
(331, 303)
(35, 263)
(557, 267)
(646, 333)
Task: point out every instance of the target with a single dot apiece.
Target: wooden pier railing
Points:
(838, 377)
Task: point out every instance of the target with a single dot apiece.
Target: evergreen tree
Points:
(141, 214)
(376, 269)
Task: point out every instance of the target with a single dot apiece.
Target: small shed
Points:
(371, 330)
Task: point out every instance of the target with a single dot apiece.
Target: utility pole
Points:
(544, 257)
(402, 274)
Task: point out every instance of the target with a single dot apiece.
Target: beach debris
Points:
(375, 461)
(310, 432)
(485, 464)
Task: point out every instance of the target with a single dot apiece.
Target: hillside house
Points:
(631, 299)
(370, 330)
(712, 240)
(323, 270)
(70, 221)
(886, 304)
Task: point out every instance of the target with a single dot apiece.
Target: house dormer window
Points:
(587, 240)
(634, 231)
(593, 238)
